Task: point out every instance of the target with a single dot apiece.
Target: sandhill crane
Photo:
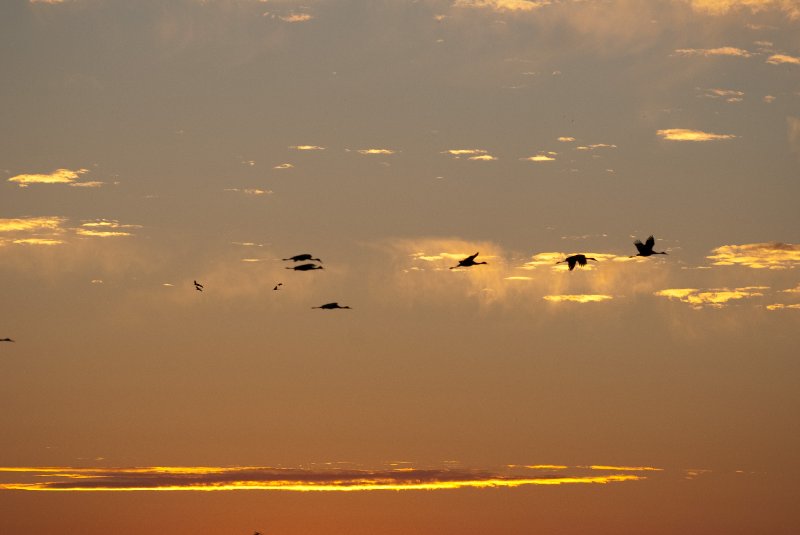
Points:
(646, 248)
(198, 286)
(303, 258)
(6, 340)
(576, 260)
(331, 306)
(278, 286)
(468, 261)
(305, 267)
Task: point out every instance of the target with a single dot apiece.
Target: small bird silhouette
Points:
(277, 286)
(198, 286)
(468, 261)
(331, 306)
(303, 258)
(6, 340)
(305, 267)
(577, 259)
(646, 248)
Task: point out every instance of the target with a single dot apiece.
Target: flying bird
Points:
(277, 286)
(331, 306)
(303, 258)
(6, 340)
(198, 286)
(578, 259)
(468, 261)
(646, 248)
(305, 267)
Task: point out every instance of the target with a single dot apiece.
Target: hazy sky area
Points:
(149, 144)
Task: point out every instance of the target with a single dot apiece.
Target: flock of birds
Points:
(578, 260)
(645, 249)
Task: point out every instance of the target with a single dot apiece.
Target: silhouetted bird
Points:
(303, 258)
(331, 306)
(277, 286)
(646, 248)
(6, 340)
(468, 261)
(305, 267)
(198, 286)
(578, 259)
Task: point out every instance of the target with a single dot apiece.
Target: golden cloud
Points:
(774, 255)
(712, 297)
(777, 59)
(31, 224)
(104, 228)
(59, 176)
(70, 479)
(283, 166)
(306, 147)
(781, 306)
(250, 191)
(578, 298)
(375, 151)
(503, 5)
(296, 17)
(539, 158)
(38, 241)
(721, 7)
(483, 158)
(597, 146)
(566, 139)
(684, 134)
(708, 52)
(465, 152)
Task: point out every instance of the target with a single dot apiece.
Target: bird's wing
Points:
(651, 241)
(472, 257)
(640, 246)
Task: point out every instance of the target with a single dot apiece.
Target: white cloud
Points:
(777, 59)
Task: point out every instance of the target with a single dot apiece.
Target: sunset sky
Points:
(150, 144)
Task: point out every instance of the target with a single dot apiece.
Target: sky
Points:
(150, 145)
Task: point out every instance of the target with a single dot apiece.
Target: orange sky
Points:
(150, 145)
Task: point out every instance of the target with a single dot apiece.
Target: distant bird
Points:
(303, 258)
(305, 267)
(6, 340)
(331, 306)
(277, 286)
(646, 248)
(198, 286)
(468, 261)
(578, 259)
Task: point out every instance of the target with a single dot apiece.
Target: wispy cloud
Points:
(503, 5)
(542, 157)
(774, 255)
(105, 228)
(471, 154)
(716, 297)
(306, 147)
(596, 146)
(250, 191)
(368, 152)
(283, 166)
(685, 134)
(778, 59)
(288, 479)
(59, 176)
(722, 7)
(781, 306)
(578, 298)
(711, 52)
(566, 139)
(728, 95)
(296, 17)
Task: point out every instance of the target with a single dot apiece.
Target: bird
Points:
(302, 258)
(331, 306)
(277, 286)
(6, 340)
(468, 261)
(578, 259)
(646, 248)
(305, 267)
(198, 286)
